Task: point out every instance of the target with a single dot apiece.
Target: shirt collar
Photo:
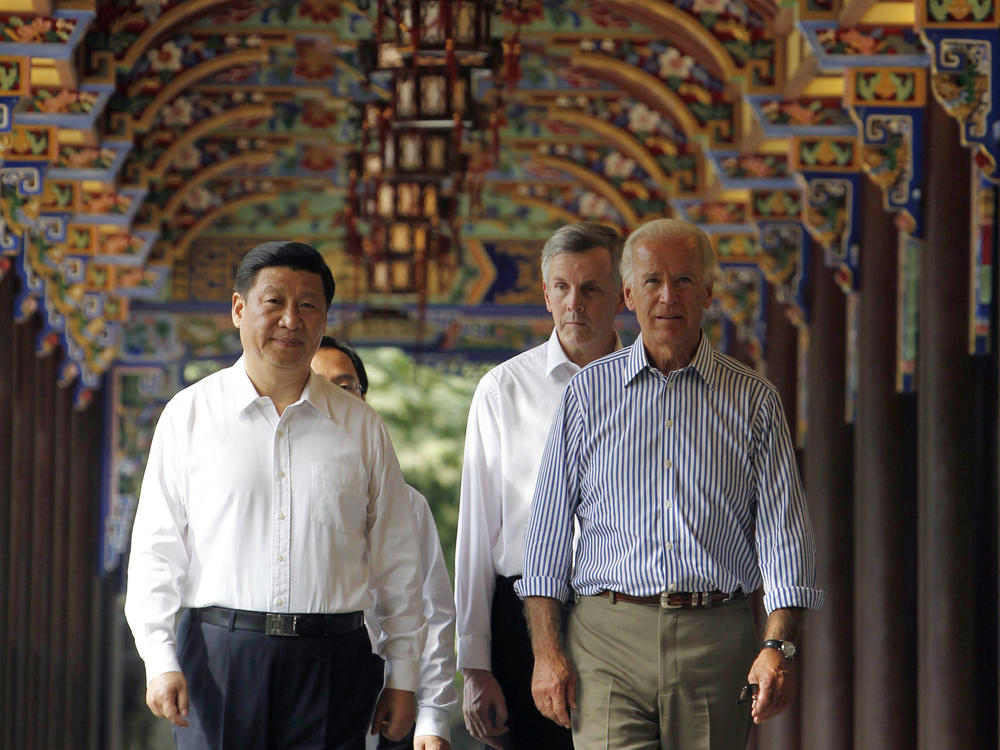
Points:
(702, 363)
(555, 356)
(240, 392)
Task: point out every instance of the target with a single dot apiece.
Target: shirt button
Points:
(281, 475)
(670, 423)
(669, 463)
(670, 546)
(667, 505)
(281, 516)
(279, 602)
(670, 386)
(281, 433)
(281, 558)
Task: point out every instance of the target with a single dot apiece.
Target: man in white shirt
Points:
(342, 366)
(274, 510)
(509, 421)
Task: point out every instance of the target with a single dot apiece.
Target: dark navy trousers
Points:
(512, 664)
(251, 691)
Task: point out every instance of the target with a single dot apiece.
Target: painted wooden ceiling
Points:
(145, 145)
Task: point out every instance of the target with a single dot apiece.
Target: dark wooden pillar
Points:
(59, 642)
(827, 665)
(782, 370)
(885, 492)
(18, 575)
(40, 577)
(6, 466)
(83, 620)
(957, 701)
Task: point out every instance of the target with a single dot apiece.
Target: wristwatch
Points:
(787, 648)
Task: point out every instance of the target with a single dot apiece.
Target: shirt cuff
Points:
(793, 596)
(552, 588)
(402, 674)
(160, 660)
(432, 721)
(474, 652)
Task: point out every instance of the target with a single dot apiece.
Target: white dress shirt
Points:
(436, 695)
(509, 420)
(302, 513)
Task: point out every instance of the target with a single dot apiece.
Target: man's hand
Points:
(430, 742)
(394, 713)
(167, 697)
(553, 683)
(484, 707)
(776, 678)
(553, 686)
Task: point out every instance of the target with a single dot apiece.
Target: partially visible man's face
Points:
(281, 320)
(583, 298)
(668, 291)
(337, 367)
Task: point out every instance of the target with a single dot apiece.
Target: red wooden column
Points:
(885, 577)
(957, 570)
(827, 647)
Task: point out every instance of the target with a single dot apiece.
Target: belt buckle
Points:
(665, 602)
(276, 623)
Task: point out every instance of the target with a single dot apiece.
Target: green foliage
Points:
(425, 409)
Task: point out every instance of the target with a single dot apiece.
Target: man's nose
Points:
(290, 317)
(575, 299)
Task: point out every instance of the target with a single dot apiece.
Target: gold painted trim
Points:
(172, 17)
(674, 24)
(628, 143)
(194, 74)
(184, 243)
(204, 128)
(256, 159)
(644, 86)
(488, 272)
(596, 183)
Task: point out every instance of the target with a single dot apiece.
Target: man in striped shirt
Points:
(677, 463)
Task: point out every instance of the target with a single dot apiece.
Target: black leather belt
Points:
(676, 599)
(279, 623)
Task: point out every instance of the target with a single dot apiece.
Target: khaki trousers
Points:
(653, 678)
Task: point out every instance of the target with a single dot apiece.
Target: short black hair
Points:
(329, 342)
(283, 254)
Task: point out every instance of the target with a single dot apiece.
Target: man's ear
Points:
(627, 297)
(237, 310)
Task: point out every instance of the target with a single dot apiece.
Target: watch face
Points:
(788, 649)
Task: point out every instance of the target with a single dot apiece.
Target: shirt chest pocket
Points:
(339, 498)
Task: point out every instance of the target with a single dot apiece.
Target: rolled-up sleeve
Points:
(785, 544)
(548, 549)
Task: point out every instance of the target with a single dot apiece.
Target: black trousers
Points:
(513, 663)
(251, 691)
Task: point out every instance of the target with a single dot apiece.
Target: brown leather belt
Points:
(676, 599)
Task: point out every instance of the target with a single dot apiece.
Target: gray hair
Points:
(579, 238)
(662, 230)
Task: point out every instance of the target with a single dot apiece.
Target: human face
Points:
(337, 367)
(583, 298)
(281, 320)
(668, 292)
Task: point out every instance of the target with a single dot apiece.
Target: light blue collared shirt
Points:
(680, 482)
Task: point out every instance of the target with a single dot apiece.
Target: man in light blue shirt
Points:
(677, 463)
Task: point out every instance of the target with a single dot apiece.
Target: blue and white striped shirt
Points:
(680, 482)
